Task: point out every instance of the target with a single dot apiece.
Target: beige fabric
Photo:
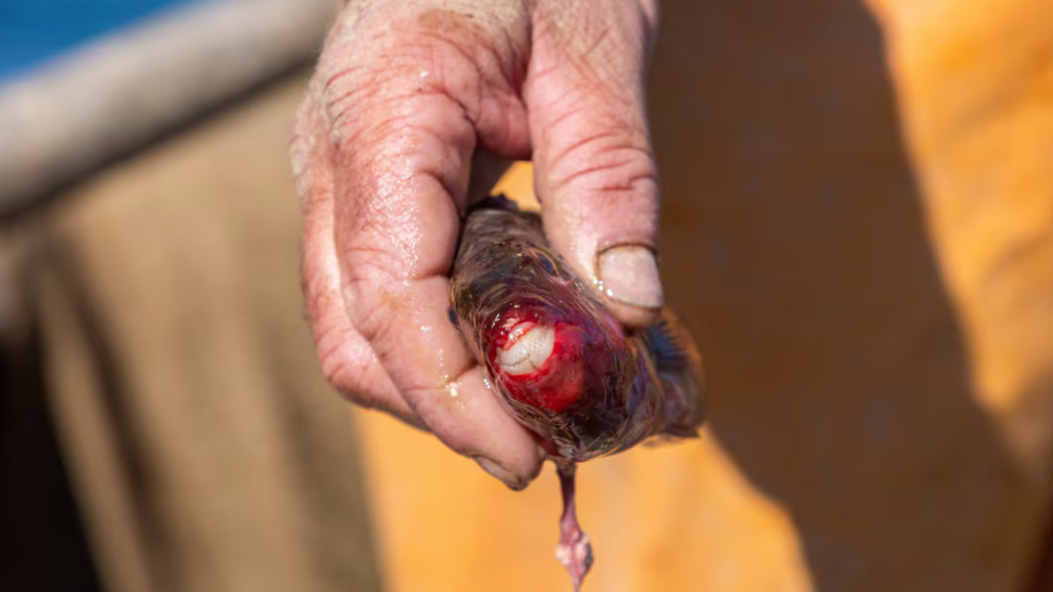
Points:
(207, 452)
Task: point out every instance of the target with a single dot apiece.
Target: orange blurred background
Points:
(857, 226)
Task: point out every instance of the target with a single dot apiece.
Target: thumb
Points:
(594, 168)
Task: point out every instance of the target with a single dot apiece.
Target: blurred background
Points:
(857, 226)
(32, 33)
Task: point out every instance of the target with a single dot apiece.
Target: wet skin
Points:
(404, 94)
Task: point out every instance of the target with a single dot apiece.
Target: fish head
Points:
(561, 362)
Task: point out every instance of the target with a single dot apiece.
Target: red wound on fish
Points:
(539, 361)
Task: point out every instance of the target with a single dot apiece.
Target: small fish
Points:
(562, 364)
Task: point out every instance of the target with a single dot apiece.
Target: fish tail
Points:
(679, 367)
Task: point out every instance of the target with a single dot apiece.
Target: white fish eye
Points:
(529, 346)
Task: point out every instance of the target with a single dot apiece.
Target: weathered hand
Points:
(406, 91)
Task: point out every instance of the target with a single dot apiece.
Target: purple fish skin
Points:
(561, 363)
(602, 389)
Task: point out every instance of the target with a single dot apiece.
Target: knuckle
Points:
(439, 52)
(338, 368)
(342, 376)
(345, 90)
(606, 162)
(319, 298)
(305, 152)
(347, 362)
(601, 48)
(347, 370)
(329, 341)
(375, 312)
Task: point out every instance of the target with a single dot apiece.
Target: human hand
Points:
(405, 92)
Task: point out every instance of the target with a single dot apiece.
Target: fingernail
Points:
(630, 275)
(514, 483)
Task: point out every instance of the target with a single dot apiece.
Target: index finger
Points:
(401, 179)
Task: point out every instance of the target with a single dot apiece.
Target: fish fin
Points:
(673, 347)
(679, 366)
(670, 344)
(679, 432)
(494, 202)
(671, 435)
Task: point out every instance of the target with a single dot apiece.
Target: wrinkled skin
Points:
(405, 93)
(564, 366)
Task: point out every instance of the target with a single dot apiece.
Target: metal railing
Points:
(83, 111)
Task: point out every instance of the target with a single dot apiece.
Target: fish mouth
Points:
(528, 346)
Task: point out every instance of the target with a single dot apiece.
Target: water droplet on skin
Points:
(454, 388)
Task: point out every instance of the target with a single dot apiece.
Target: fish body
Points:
(600, 389)
(562, 364)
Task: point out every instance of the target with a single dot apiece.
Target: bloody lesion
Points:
(539, 361)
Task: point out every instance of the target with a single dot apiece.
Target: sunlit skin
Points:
(404, 94)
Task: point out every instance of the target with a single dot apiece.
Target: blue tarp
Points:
(34, 31)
